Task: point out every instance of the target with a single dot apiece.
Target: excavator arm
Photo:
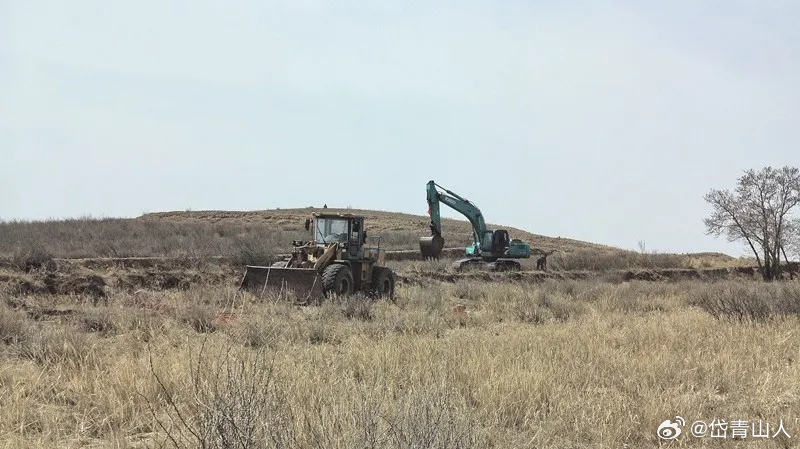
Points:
(431, 247)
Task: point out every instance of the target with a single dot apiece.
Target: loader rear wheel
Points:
(383, 282)
(337, 279)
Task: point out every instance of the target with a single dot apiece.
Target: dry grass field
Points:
(465, 364)
(124, 353)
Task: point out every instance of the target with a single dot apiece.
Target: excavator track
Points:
(476, 263)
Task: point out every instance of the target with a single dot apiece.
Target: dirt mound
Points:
(155, 263)
(156, 280)
(489, 276)
(55, 284)
(89, 285)
(652, 275)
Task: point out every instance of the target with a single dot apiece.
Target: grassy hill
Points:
(401, 231)
(257, 236)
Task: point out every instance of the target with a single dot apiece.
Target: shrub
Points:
(542, 305)
(747, 301)
(100, 321)
(33, 257)
(357, 307)
(200, 317)
(614, 260)
(235, 404)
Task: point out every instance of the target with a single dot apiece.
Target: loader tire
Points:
(383, 282)
(338, 280)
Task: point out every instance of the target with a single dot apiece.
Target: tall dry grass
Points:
(593, 260)
(122, 237)
(117, 237)
(558, 364)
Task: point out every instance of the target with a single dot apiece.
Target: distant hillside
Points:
(401, 230)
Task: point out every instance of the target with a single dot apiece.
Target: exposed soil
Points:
(616, 276)
(96, 278)
(54, 283)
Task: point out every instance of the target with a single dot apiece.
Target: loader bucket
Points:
(431, 247)
(304, 283)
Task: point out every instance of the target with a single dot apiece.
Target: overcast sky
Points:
(604, 121)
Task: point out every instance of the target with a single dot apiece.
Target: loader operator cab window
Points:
(330, 230)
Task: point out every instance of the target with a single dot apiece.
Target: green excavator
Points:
(490, 250)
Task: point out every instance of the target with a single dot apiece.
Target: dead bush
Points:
(99, 320)
(747, 301)
(258, 250)
(199, 316)
(542, 305)
(259, 334)
(33, 257)
(236, 403)
(357, 307)
(321, 333)
(594, 260)
(468, 290)
(433, 418)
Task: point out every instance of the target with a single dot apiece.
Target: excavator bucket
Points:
(304, 283)
(431, 247)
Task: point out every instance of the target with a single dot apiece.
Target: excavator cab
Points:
(500, 241)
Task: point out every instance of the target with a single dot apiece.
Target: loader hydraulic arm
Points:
(460, 205)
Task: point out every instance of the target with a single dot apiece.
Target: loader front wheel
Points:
(383, 282)
(338, 280)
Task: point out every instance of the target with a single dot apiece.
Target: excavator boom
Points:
(432, 246)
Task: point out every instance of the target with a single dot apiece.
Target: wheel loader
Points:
(339, 260)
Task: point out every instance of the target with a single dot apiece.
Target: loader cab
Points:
(346, 230)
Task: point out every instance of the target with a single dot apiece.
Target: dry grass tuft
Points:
(200, 317)
(356, 307)
(99, 320)
(13, 326)
(58, 346)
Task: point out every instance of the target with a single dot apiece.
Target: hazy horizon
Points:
(603, 122)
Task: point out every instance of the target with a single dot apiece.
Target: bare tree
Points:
(793, 241)
(758, 212)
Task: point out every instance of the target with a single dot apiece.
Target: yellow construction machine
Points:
(338, 260)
